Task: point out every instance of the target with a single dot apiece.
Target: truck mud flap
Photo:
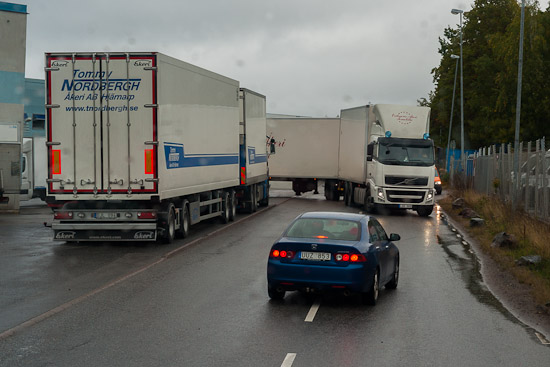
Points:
(116, 235)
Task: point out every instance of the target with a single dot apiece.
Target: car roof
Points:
(334, 215)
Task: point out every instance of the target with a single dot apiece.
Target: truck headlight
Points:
(381, 194)
(430, 195)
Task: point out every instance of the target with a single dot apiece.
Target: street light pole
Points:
(452, 110)
(518, 108)
(462, 158)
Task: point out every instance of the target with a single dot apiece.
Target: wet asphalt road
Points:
(207, 304)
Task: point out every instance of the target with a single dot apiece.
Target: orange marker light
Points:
(56, 161)
(149, 162)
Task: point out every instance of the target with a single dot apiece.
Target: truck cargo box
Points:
(304, 148)
(134, 126)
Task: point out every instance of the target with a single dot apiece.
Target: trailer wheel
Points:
(185, 223)
(226, 208)
(254, 195)
(233, 203)
(265, 202)
(169, 225)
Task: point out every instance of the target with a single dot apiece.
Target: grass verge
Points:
(533, 238)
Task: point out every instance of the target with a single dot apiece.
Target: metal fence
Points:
(490, 171)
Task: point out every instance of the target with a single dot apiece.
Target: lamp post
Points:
(518, 108)
(462, 158)
(452, 110)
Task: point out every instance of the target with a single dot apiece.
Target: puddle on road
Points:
(463, 260)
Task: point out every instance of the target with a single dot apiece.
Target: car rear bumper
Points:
(289, 277)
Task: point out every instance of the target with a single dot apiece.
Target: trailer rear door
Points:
(102, 138)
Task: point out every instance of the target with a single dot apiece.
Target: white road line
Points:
(289, 359)
(542, 338)
(313, 311)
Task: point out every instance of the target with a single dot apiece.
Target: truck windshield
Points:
(406, 152)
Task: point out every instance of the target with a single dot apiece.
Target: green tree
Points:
(490, 51)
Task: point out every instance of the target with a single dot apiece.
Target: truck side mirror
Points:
(370, 151)
(272, 146)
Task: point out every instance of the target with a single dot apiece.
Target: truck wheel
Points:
(425, 211)
(169, 225)
(369, 205)
(329, 192)
(265, 202)
(185, 223)
(226, 208)
(233, 203)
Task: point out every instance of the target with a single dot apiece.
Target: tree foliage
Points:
(490, 50)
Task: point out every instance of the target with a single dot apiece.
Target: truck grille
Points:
(406, 181)
(399, 196)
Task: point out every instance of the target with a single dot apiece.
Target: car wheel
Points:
(371, 296)
(392, 284)
(274, 293)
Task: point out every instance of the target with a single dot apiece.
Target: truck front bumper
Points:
(403, 198)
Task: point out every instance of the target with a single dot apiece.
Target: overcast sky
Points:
(308, 57)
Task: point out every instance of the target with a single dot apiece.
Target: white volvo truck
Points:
(386, 157)
(141, 146)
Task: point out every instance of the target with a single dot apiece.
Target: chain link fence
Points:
(490, 171)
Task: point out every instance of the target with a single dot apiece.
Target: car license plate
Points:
(405, 206)
(316, 256)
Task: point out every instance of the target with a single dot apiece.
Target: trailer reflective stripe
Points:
(149, 162)
(56, 161)
(243, 175)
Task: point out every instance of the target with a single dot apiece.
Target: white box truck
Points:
(10, 165)
(305, 150)
(34, 168)
(141, 146)
(386, 158)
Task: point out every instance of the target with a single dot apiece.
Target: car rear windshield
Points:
(333, 229)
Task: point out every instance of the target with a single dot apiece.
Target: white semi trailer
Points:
(305, 150)
(386, 158)
(141, 146)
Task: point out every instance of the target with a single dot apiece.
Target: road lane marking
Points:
(289, 359)
(542, 338)
(313, 311)
(54, 311)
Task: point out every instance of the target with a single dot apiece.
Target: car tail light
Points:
(282, 254)
(147, 215)
(353, 258)
(63, 215)
(321, 237)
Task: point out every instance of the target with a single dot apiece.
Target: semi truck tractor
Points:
(386, 158)
(305, 151)
(141, 146)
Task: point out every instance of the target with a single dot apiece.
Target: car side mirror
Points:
(395, 237)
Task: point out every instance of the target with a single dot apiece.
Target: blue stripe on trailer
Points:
(176, 158)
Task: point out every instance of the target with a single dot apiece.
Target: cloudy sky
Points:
(309, 57)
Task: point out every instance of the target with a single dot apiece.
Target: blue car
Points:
(329, 251)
